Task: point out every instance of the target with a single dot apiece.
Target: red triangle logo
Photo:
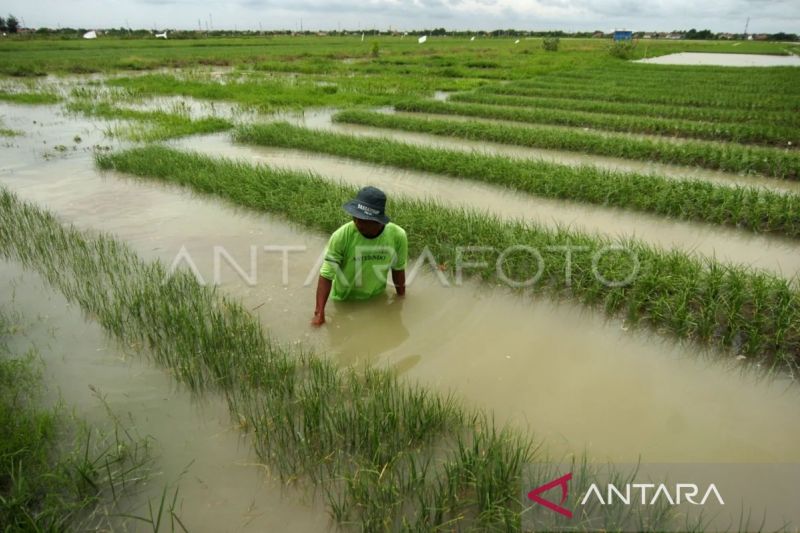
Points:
(563, 482)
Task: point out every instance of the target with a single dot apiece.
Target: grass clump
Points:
(622, 49)
(150, 125)
(750, 312)
(30, 98)
(550, 44)
(718, 131)
(744, 207)
(784, 164)
(54, 477)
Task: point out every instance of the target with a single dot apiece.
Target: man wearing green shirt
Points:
(361, 253)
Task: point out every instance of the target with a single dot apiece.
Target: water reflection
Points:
(361, 332)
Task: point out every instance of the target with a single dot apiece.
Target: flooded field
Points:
(536, 353)
(578, 381)
(725, 60)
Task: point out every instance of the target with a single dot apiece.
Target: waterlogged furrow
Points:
(729, 157)
(755, 209)
(754, 313)
(339, 428)
(740, 133)
(655, 110)
(157, 125)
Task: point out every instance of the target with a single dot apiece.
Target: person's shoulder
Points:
(345, 229)
(396, 230)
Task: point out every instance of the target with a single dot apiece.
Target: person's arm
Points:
(323, 291)
(331, 266)
(399, 280)
(399, 268)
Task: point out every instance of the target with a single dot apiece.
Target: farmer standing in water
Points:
(360, 254)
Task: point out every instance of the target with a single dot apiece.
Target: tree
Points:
(2, 24)
(12, 24)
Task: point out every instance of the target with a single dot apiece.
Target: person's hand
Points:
(318, 320)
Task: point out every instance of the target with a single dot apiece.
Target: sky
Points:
(766, 16)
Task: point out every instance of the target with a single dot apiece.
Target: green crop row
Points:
(598, 106)
(740, 133)
(784, 164)
(780, 81)
(750, 208)
(635, 96)
(703, 96)
(756, 314)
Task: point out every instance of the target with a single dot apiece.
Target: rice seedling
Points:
(696, 85)
(387, 454)
(720, 131)
(555, 101)
(747, 302)
(750, 208)
(711, 99)
(784, 164)
(56, 472)
(29, 97)
(149, 125)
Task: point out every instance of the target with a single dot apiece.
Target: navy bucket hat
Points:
(369, 204)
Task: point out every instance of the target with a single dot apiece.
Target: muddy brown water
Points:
(195, 448)
(575, 379)
(499, 351)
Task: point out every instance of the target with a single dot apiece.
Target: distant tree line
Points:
(709, 35)
(11, 25)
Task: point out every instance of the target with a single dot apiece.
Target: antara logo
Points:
(636, 493)
(563, 482)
